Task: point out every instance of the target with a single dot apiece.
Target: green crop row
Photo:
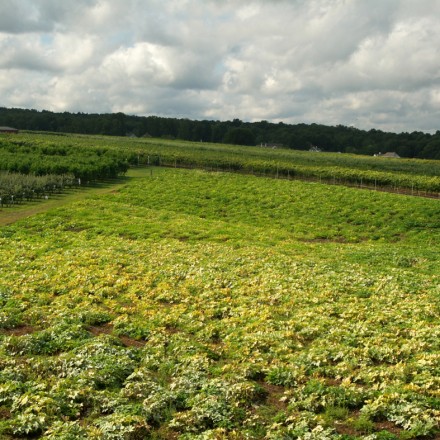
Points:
(40, 157)
(15, 187)
(99, 156)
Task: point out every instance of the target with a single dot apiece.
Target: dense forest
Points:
(295, 136)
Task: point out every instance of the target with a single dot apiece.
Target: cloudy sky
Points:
(367, 63)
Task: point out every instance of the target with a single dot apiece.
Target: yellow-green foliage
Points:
(210, 305)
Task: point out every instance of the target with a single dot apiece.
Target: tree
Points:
(431, 150)
(239, 136)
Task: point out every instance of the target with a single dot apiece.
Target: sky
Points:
(362, 63)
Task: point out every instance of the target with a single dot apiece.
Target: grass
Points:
(183, 303)
(11, 214)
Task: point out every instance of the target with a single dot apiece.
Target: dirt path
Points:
(12, 214)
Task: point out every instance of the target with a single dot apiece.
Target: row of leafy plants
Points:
(32, 168)
(287, 169)
(99, 156)
(40, 157)
(19, 188)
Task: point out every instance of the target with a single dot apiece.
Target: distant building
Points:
(272, 145)
(8, 130)
(389, 154)
(315, 149)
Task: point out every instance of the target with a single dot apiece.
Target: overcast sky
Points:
(367, 63)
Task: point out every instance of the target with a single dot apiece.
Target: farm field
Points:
(96, 157)
(188, 304)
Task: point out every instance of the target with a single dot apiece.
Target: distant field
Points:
(97, 157)
(205, 305)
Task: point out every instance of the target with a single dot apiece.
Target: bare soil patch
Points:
(274, 394)
(19, 331)
(107, 329)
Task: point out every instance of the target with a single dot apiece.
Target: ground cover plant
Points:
(194, 305)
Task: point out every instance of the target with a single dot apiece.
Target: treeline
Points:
(295, 136)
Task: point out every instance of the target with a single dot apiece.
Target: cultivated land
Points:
(185, 303)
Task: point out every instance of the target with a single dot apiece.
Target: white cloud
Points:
(371, 64)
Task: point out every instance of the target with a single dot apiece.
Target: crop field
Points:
(194, 304)
(95, 157)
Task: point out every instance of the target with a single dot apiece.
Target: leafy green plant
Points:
(117, 426)
(385, 435)
(333, 413)
(363, 425)
(66, 430)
